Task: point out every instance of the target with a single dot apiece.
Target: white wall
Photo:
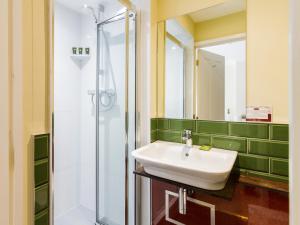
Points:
(294, 110)
(174, 73)
(67, 78)
(87, 116)
(143, 104)
(187, 40)
(189, 79)
(75, 122)
(240, 95)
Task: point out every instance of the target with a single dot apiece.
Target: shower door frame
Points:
(124, 15)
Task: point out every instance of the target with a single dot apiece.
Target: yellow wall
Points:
(35, 82)
(267, 56)
(220, 27)
(161, 37)
(153, 67)
(5, 113)
(126, 3)
(28, 99)
(171, 8)
(41, 71)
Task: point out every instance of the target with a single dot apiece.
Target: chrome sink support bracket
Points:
(196, 201)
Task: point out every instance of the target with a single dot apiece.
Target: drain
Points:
(103, 223)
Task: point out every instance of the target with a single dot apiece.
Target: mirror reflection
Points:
(202, 63)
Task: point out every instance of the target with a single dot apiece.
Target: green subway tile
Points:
(257, 163)
(153, 136)
(230, 143)
(41, 171)
(269, 148)
(216, 133)
(279, 167)
(162, 124)
(42, 218)
(212, 127)
(268, 176)
(279, 132)
(201, 139)
(41, 146)
(153, 124)
(167, 135)
(252, 130)
(41, 198)
(180, 125)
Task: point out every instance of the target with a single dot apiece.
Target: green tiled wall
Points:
(42, 218)
(41, 178)
(263, 148)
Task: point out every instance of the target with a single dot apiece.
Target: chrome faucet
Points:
(187, 137)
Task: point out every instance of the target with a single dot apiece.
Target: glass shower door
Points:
(115, 117)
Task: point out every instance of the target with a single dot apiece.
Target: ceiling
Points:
(78, 5)
(223, 9)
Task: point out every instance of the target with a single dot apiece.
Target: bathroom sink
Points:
(203, 169)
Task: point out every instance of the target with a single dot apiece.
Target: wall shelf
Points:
(80, 60)
(225, 193)
(80, 57)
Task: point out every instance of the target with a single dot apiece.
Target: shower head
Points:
(92, 11)
(100, 9)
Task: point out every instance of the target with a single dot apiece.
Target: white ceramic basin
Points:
(204, 169)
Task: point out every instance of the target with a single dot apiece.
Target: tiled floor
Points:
(77, 216)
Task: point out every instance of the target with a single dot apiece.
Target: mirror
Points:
(201, 68)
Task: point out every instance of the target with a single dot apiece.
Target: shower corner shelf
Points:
(80, 57)
(80, 60)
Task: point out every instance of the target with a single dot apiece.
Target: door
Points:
(210, 98)
(115, 119)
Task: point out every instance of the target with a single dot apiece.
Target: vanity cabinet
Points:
(248, 205)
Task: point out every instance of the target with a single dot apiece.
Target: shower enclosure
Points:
(115, 119)
(92, 179)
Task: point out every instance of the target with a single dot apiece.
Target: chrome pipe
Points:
(126, 116)
(97, 124)
(115, 18)
(182, 201)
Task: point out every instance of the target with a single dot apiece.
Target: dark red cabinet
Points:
(249, 205)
